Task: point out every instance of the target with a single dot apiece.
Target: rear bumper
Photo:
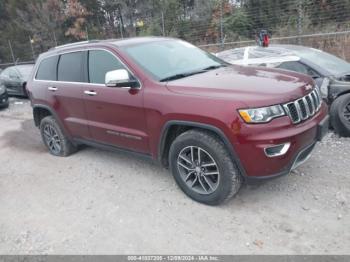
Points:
(302, 138)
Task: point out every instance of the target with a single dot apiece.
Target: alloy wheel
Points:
(52, 139)
(198, 170)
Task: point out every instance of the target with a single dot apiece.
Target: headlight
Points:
(2, 89)
(261, 115)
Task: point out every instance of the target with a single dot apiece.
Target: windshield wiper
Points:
(213, 67)
(183, 75)
(173, 77)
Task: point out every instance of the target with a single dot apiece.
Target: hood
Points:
(254, 86)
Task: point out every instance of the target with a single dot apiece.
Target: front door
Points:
(115, 115)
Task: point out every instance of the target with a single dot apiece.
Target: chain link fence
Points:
(220, 25)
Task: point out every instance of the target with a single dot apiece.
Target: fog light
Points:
(277, 150)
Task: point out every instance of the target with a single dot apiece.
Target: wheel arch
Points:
(345, 92)
(173, 128)
(41, 111)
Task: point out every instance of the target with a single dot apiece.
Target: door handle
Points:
(90, 93)
(52, 88)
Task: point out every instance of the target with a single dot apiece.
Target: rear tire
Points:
(54, 139)
(193, 157)
(340, 115)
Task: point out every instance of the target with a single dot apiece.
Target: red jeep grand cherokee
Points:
(213, 124)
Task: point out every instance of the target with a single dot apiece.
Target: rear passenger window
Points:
(101, 62)
(70, 67)
(47, 69)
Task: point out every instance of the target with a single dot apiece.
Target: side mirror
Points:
(120, 78)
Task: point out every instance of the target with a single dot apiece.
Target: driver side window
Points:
(101, 62)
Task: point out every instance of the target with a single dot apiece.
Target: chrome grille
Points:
(305, 107)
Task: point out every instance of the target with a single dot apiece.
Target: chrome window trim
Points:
(87, 83)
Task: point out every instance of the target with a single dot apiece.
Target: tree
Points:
(75, 17)
(238, 24)
(42, 20)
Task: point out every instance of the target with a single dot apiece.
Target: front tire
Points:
(203, 167)
(340, 115)
(54, 139)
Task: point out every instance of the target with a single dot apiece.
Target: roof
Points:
(116, 42)
(252, 52)
(140, 40)
(258, 55)
(104, 42)
(271, 56)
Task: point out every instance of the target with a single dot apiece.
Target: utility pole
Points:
(54, 37)
(300, 20)
(221, 25)
(13, 56)
(87, 33)
(121, 22)
(31, 45)
(163, 25)
(121, 28)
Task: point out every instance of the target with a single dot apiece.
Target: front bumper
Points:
(301, 158)
(4, 100)
(302, 139)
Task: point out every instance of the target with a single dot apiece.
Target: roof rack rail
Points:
(73, 44)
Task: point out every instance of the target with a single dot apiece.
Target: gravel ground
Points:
(101, 202)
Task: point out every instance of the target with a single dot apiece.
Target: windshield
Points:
(168, 58)
(25, 70)
(329, 62)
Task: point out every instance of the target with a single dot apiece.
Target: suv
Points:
(213, 124)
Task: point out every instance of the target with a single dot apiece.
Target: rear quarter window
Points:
(47, 69)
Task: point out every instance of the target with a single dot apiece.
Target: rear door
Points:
(116, 115)
(66, 94)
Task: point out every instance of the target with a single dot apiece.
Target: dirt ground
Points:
(101, 202)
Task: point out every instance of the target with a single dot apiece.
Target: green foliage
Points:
(238, 24)
(153, 28)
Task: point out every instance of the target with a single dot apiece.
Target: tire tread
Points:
(336, 122)
(219, 147)
(67, 146)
